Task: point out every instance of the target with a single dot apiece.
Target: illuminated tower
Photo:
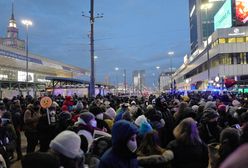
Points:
(12, 40)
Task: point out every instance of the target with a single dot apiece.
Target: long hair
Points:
(149, 145)
(181, 108)
(186, 132)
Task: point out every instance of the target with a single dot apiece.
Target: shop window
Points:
(240, 39)
(231, 40)
(223, 40)
(246, 39)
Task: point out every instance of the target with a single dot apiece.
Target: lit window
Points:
(240, 40)
(222, 40)
(231, 40)
(246, 39)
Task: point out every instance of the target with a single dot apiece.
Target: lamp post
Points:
(171, 53)
(27, 23)
(158, 67)
(116, 69)
(206, 7)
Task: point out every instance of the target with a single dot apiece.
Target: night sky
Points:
(132, 35)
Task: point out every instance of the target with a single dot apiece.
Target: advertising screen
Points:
(223, 18)
(241, 8)
(22, 76)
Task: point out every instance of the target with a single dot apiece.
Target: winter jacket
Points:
(119, 156)
(189, 156)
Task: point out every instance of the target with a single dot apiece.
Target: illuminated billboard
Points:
(241, 8)
(223, 18)
(22, 76)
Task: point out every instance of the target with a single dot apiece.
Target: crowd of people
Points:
(194, 130)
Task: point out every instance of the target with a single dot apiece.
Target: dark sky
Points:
(133, 35)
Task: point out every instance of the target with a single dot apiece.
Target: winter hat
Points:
(127, 116)
(64, 116)
(79, 106)
(210, 98)
(110, 112)
(133, 102)
(231, 135)
(210, 104)
(145, 128)
(235, 103)
(149, 107)
(209, 114)
(140, 120)
(195, 108)
(222, 108)
(68, 144)
(64, 108)
(85, 117)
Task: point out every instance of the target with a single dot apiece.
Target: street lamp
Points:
(206, 7)
(158, 67)
(27, 23)
(116, 69)
(171, 53)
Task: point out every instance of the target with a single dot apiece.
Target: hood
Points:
(121, 132)
(210, 104)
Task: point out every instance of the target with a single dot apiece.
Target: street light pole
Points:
(158, 67)
(92, 61)
(116, 69)
(171, 53)
(27, 23)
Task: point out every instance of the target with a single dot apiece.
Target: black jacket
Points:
(189, 156)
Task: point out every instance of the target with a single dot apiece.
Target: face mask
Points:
(132, 145)
(99, 116)
(93, 123)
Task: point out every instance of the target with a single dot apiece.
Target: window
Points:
(231, 40)
(240, 39)
(223, 40)
(246, 39)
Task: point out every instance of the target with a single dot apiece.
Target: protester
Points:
(122, 153)
(66, 146)
(188, 148)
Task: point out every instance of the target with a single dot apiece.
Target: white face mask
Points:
(99, 116)
(132, 144)
(93, 123)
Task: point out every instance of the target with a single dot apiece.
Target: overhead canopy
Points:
(69, 80)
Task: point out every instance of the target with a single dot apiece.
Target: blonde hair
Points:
(187, 132)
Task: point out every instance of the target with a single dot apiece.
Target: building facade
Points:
(201, 21)
(228, 58)
(13, 63)
(138, 80)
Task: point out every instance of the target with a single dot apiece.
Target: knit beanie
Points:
(195, 108)
(209, 114)
(140, 120)
(86, 117)
(68, 144)
(64, 108)
(110, 112)
(64, 116)
(145, 128)
(222, 108)
(231, 135)
(235, 103)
